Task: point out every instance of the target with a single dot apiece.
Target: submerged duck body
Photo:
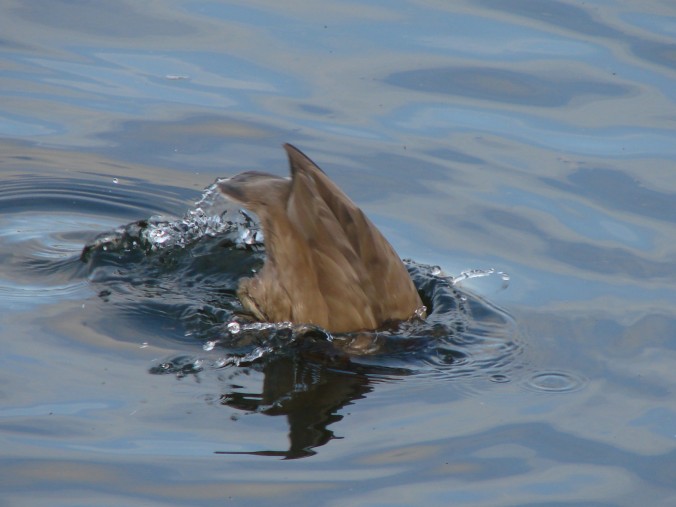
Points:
(326, 264)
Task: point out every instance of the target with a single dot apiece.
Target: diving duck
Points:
(326, 264)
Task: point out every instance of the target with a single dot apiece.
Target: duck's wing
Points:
(350, 250)
(336, 266)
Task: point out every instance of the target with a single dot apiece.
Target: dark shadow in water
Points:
(309, 394)
(500, 85)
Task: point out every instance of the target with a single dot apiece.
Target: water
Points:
(530, 142)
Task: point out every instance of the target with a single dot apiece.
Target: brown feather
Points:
(327, 264)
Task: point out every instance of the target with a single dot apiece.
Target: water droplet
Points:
(233, 327)
(209, 346)
(248, 237)
(482, 273)
(116, 181)
(420, 312)
(221, 362)
(143, 345)
(499, 379)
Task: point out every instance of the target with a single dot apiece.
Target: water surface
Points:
(534, 139)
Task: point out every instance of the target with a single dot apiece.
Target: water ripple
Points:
(554, 382)
(44, 222)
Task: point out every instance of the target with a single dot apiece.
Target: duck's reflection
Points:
(309, 394)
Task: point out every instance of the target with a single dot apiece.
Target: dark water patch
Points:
(373, 187)
(562, 15)
(101, 20)
(594, 257)
(619, 191)
(656, 52)
(610, 260)
(507, 86)
(317, 110)
(448, 154)
(579, 20)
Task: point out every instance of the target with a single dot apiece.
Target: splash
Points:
(481, 273)
(187, 270)
(211, 216)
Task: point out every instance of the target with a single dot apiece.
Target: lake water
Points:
(534, 139)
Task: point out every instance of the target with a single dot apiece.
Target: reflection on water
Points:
(308, 394)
